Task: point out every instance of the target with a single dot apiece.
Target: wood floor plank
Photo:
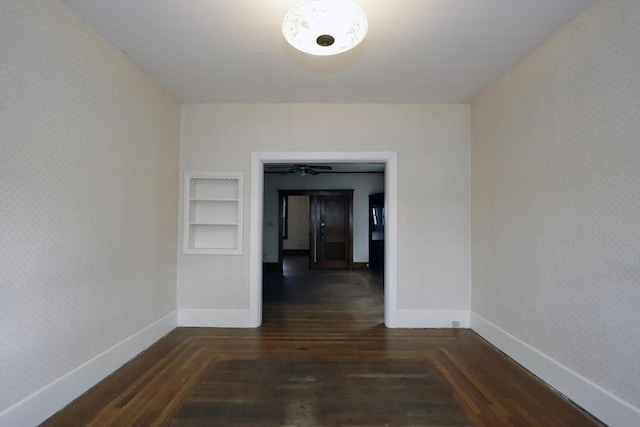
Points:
(321, 358)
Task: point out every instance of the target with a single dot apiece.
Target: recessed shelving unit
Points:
(212, 213)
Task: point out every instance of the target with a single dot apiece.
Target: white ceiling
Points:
(416, 51)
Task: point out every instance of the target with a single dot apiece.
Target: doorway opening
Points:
(326, 236)
(257, 230)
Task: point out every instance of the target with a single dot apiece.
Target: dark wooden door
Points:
(376, 231)
(332, 226)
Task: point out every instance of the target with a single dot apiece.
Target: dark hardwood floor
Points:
(321, 358)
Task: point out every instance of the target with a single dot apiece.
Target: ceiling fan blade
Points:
(299, 169)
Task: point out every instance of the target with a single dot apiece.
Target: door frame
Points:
(259, 159)
(311, 193)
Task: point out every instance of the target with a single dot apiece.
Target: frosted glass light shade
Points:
(324, 27)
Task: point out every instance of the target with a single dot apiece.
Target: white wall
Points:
(362, 184)
(556, 200)
(432, 142)
(297, 223)
(89, 190)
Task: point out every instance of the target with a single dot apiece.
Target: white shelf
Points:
(212, 213)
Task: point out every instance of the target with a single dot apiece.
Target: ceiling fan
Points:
(301, 170)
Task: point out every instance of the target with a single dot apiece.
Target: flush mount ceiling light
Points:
(324, 27)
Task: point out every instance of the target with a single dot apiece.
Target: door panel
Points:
(376, 232)
(330, 230)
(334, 251)
(333, 231)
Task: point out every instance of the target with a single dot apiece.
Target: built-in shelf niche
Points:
(212, 213)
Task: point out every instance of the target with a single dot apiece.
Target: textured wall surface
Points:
(432, 142)
(556, 199)
(88, 183)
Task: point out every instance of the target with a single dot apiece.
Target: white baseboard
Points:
(401, 319)
(215, 318)
(430, 319)
(599, 402)
(45, 402)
